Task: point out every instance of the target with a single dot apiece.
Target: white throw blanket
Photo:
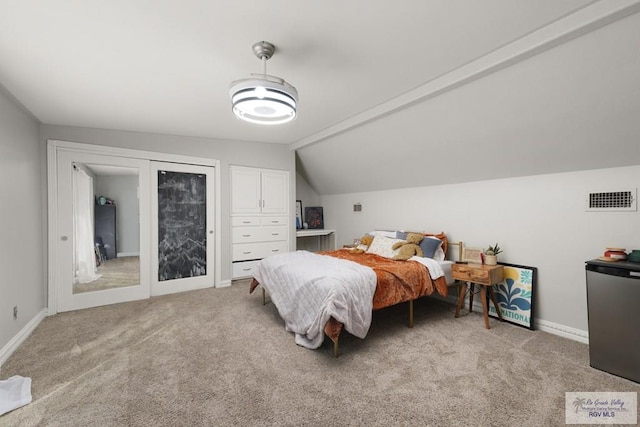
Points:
(308, 289)
(14, 393)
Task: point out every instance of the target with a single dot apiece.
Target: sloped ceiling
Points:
(474, 90)
(574, 106)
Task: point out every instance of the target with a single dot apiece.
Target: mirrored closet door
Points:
(103, 254)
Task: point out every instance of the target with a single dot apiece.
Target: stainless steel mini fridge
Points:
(613, 301)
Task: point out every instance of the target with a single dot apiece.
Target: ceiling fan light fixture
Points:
(264, 99)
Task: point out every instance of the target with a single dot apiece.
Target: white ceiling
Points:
(165, 66)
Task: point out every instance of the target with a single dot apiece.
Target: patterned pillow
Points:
(385, 233)
(381, 245)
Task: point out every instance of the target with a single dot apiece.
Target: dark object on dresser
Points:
(105, 228)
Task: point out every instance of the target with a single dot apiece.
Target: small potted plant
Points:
(491, 255)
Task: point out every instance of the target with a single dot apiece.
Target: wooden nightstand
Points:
(476, 274)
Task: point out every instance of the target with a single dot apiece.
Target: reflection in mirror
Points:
(106, 227)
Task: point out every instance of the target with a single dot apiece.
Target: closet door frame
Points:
(54, 145)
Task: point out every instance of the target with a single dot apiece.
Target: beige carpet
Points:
(218, 357)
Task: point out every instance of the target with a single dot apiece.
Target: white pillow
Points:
(381, 245)
(385, 233)
(439, 254)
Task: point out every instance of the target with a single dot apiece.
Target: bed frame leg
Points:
(335, 348)
(264, 297)
(411, 313)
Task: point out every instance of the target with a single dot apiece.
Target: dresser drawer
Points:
(486, 275)
(274, 220)
(243, 269)
(258, 234)
(245, 221)
(248, 251)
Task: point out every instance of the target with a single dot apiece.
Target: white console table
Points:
(316, 240)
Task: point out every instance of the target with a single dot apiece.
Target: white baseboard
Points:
(539, 324)
(125, 254)
(224, 284)
(19, 338)
(563, 331)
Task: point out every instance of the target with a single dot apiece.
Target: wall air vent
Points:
(613, 201)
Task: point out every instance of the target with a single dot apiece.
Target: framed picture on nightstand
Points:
(299, 221)
(472, 255)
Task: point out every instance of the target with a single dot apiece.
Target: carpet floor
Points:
(218, 357)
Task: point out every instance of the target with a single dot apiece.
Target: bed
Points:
(320, 294)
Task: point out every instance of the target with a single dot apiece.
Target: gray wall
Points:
(305, 193)
(21, 219)
(271, 156)
(123, 190)
(539, 221)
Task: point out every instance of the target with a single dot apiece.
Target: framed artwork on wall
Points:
(299, 220)
(314, 217)
(515, 295)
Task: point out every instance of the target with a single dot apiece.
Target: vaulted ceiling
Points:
(392, 94)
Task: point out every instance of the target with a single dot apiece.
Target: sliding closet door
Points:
(102, 251)
(182, 227)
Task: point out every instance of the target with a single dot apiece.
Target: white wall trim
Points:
(224, 284)
(136, 154)
(126, 254)
(546, 326)
(538, 324)
(21, 336)
(52, 227)
(563, 331)
(581, 22)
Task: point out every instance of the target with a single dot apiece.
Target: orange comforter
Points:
(397, 281)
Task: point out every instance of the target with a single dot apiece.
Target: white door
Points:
(275, 192)
(182, 227)
(246, 195)
(85, 276)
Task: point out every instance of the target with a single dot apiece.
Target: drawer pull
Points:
(275, 234)
(246, 222)
(275, 222)
(275, 250)
(246, 253)
(246, 235)
(246, 269)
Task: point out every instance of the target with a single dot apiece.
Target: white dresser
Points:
(259, 217)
